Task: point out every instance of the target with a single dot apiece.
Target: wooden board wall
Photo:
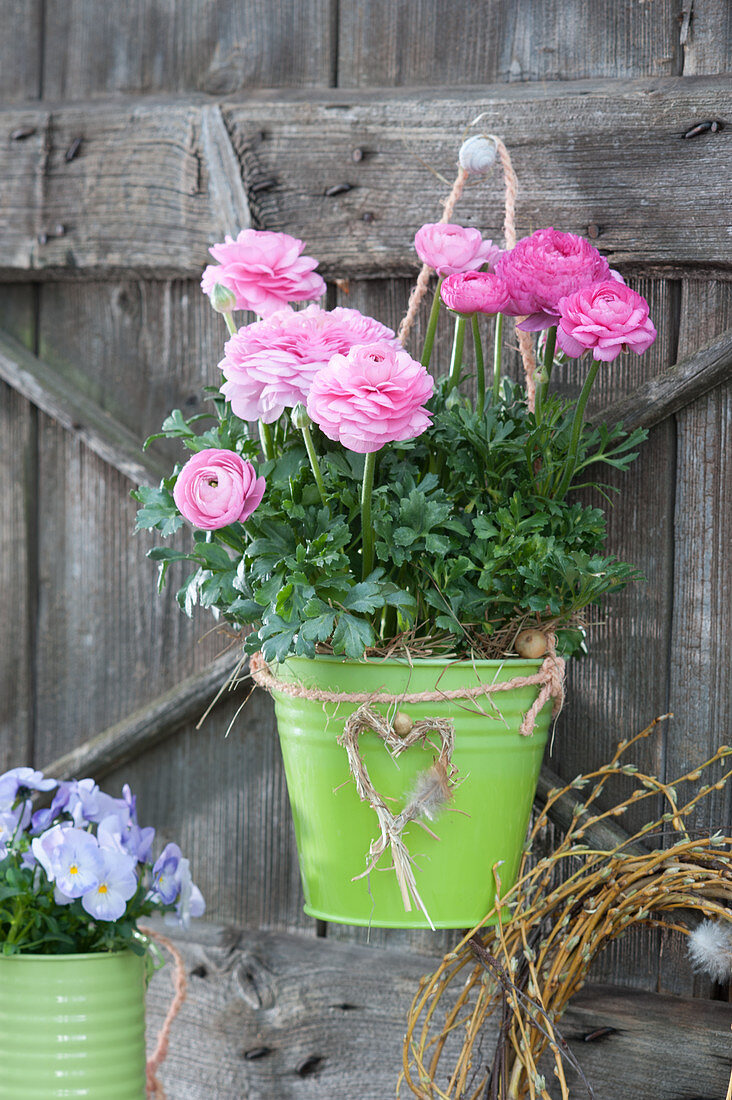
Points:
(90, 641)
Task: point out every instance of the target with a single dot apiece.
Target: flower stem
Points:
(314, 464)
(577, 431)
(479, 364)
(230, 324)
(266, 440)
(551, 343)
(497, 351)
(429, 338)
(367, 530)
(456, 359)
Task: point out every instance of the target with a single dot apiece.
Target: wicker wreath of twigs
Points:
(563, 910)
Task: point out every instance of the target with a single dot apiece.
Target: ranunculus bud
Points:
(477, 155)
(216, 488)
(299, 417)
(475, 292)
(222, 299)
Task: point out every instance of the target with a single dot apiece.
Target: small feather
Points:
(431, 792)
(710, 949)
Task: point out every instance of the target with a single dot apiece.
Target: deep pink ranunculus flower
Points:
(264, 270)
(475, 292)
(372, 396)
(547, 266)
(451, 249)
(269, 366)
(216, 488)
(606, 318)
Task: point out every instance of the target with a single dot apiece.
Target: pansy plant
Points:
(76, 876)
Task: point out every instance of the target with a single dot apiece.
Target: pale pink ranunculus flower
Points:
(269, 366)
(372, 396)
(265, 271)
(606, 318)
(452, 249)
(475, 292)
(547, 266)
(216, 488)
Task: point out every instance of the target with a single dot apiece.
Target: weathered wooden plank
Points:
(150, 725)
(138, 194)
(412, 42)
(20, 71)
(147, 46)
(706, 33)
(296, 1018)
(674, 389)
(700, 653)
(18, 498)
(68, 405)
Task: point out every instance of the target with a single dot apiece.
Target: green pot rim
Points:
(35, 956)
(425, 662)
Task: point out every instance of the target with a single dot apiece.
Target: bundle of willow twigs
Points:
(564, 909)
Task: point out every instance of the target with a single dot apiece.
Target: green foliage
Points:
(471, 533)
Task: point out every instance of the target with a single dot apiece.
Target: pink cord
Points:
(155, 1089)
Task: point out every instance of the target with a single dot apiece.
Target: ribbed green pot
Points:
(72, 1026)
(498, 771)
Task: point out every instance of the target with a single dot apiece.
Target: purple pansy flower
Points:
(190, 899)
(18, 778)
(75, 862)
(116, 884)
(43, 819)
(165, 884)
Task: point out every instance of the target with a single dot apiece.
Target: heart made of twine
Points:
(433, 789)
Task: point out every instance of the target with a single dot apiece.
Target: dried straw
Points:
(528, 966)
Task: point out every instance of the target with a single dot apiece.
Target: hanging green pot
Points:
(484, 824)
(72, 1026)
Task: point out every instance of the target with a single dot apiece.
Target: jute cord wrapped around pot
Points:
(435, 786)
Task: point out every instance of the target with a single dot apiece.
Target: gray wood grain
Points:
(138, 195)
(430, 42)
(18, 501)
(155, 46)
(708, 40)
(674, 389)
(20, 79)
(74, 410)
(187, 702)
(298, 1018)
(700, 685)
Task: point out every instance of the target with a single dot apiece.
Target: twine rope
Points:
(154, 1086)
(433, 791)
(549, 678)
(420, 288)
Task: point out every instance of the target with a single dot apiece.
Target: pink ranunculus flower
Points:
(475, 292)
(269, 366)
(451, 249)
(547, 266)
(372, 396)
(264, 270)
(216, 488)
(606, 318)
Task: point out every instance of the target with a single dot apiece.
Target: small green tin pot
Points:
(498, 772)
(72, 1026)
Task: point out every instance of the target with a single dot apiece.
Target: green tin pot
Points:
(498, 772)
(72, 1026)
